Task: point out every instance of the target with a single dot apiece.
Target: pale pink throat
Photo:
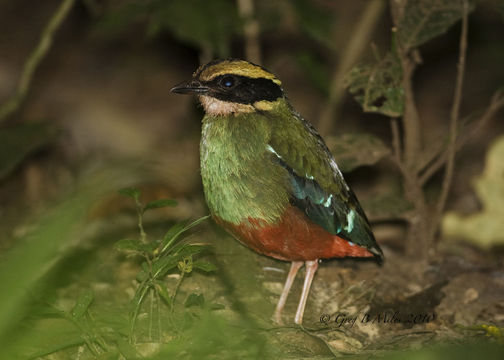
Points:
(216, 107)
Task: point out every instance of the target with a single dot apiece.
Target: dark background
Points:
(101, 101)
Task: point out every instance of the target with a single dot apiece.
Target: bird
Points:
(268, 177)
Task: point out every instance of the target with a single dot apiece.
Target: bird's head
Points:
(232, 86)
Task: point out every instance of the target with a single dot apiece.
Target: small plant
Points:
(93, 331)
(386, 87)
(161, 257)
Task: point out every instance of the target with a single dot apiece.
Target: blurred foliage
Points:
(315, 21)
(19, 141)
(490, 331)
(378, 87)
(215, 337)
(485, 228)
(47, 242)
(316, 71)
(90, 330)
(355, 150)
(449, 352)
(421, 20)
(203, 24)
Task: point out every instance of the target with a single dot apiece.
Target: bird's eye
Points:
(228, 82)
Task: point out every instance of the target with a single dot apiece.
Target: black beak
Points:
(190, 87)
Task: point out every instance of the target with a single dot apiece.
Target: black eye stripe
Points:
(227, 81)
(244, 90)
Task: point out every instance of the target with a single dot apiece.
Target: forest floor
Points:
(356, 308)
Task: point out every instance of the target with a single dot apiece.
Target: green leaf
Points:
(182, 250)
(142, 276)
(151, 247)
(131, 192)
(20, 141)
(378, 87)
(204, 265)
(354, 150)
(176, 230)
(161, 203)
(161, 266)
(195, 300)
(133, 245)
(128, 245)
(422, 20)
(173, 232)
(196, 222)
(82, 305)
(163, 292)
(145, 266)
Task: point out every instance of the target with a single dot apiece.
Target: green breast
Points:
(240, 179)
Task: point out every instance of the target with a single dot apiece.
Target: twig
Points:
(454, 115)
(356, 44)
(251, 30)
(35, 59)
(439, 159)
(411, 149)
(411, 120)
(140, 211)
(396, 144)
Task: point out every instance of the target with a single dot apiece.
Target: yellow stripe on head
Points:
(211, 70)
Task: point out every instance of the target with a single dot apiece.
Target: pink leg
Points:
(311, 268)
(277, 316)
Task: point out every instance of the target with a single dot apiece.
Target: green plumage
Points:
(239, 178)
(254, 165)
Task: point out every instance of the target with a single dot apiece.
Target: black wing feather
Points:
(343, 218)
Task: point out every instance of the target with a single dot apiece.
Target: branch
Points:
(454, 115)
(396, 144)
(411, 119)
(251, 30)
(439, 159)
(35, 59)
(355, 45)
